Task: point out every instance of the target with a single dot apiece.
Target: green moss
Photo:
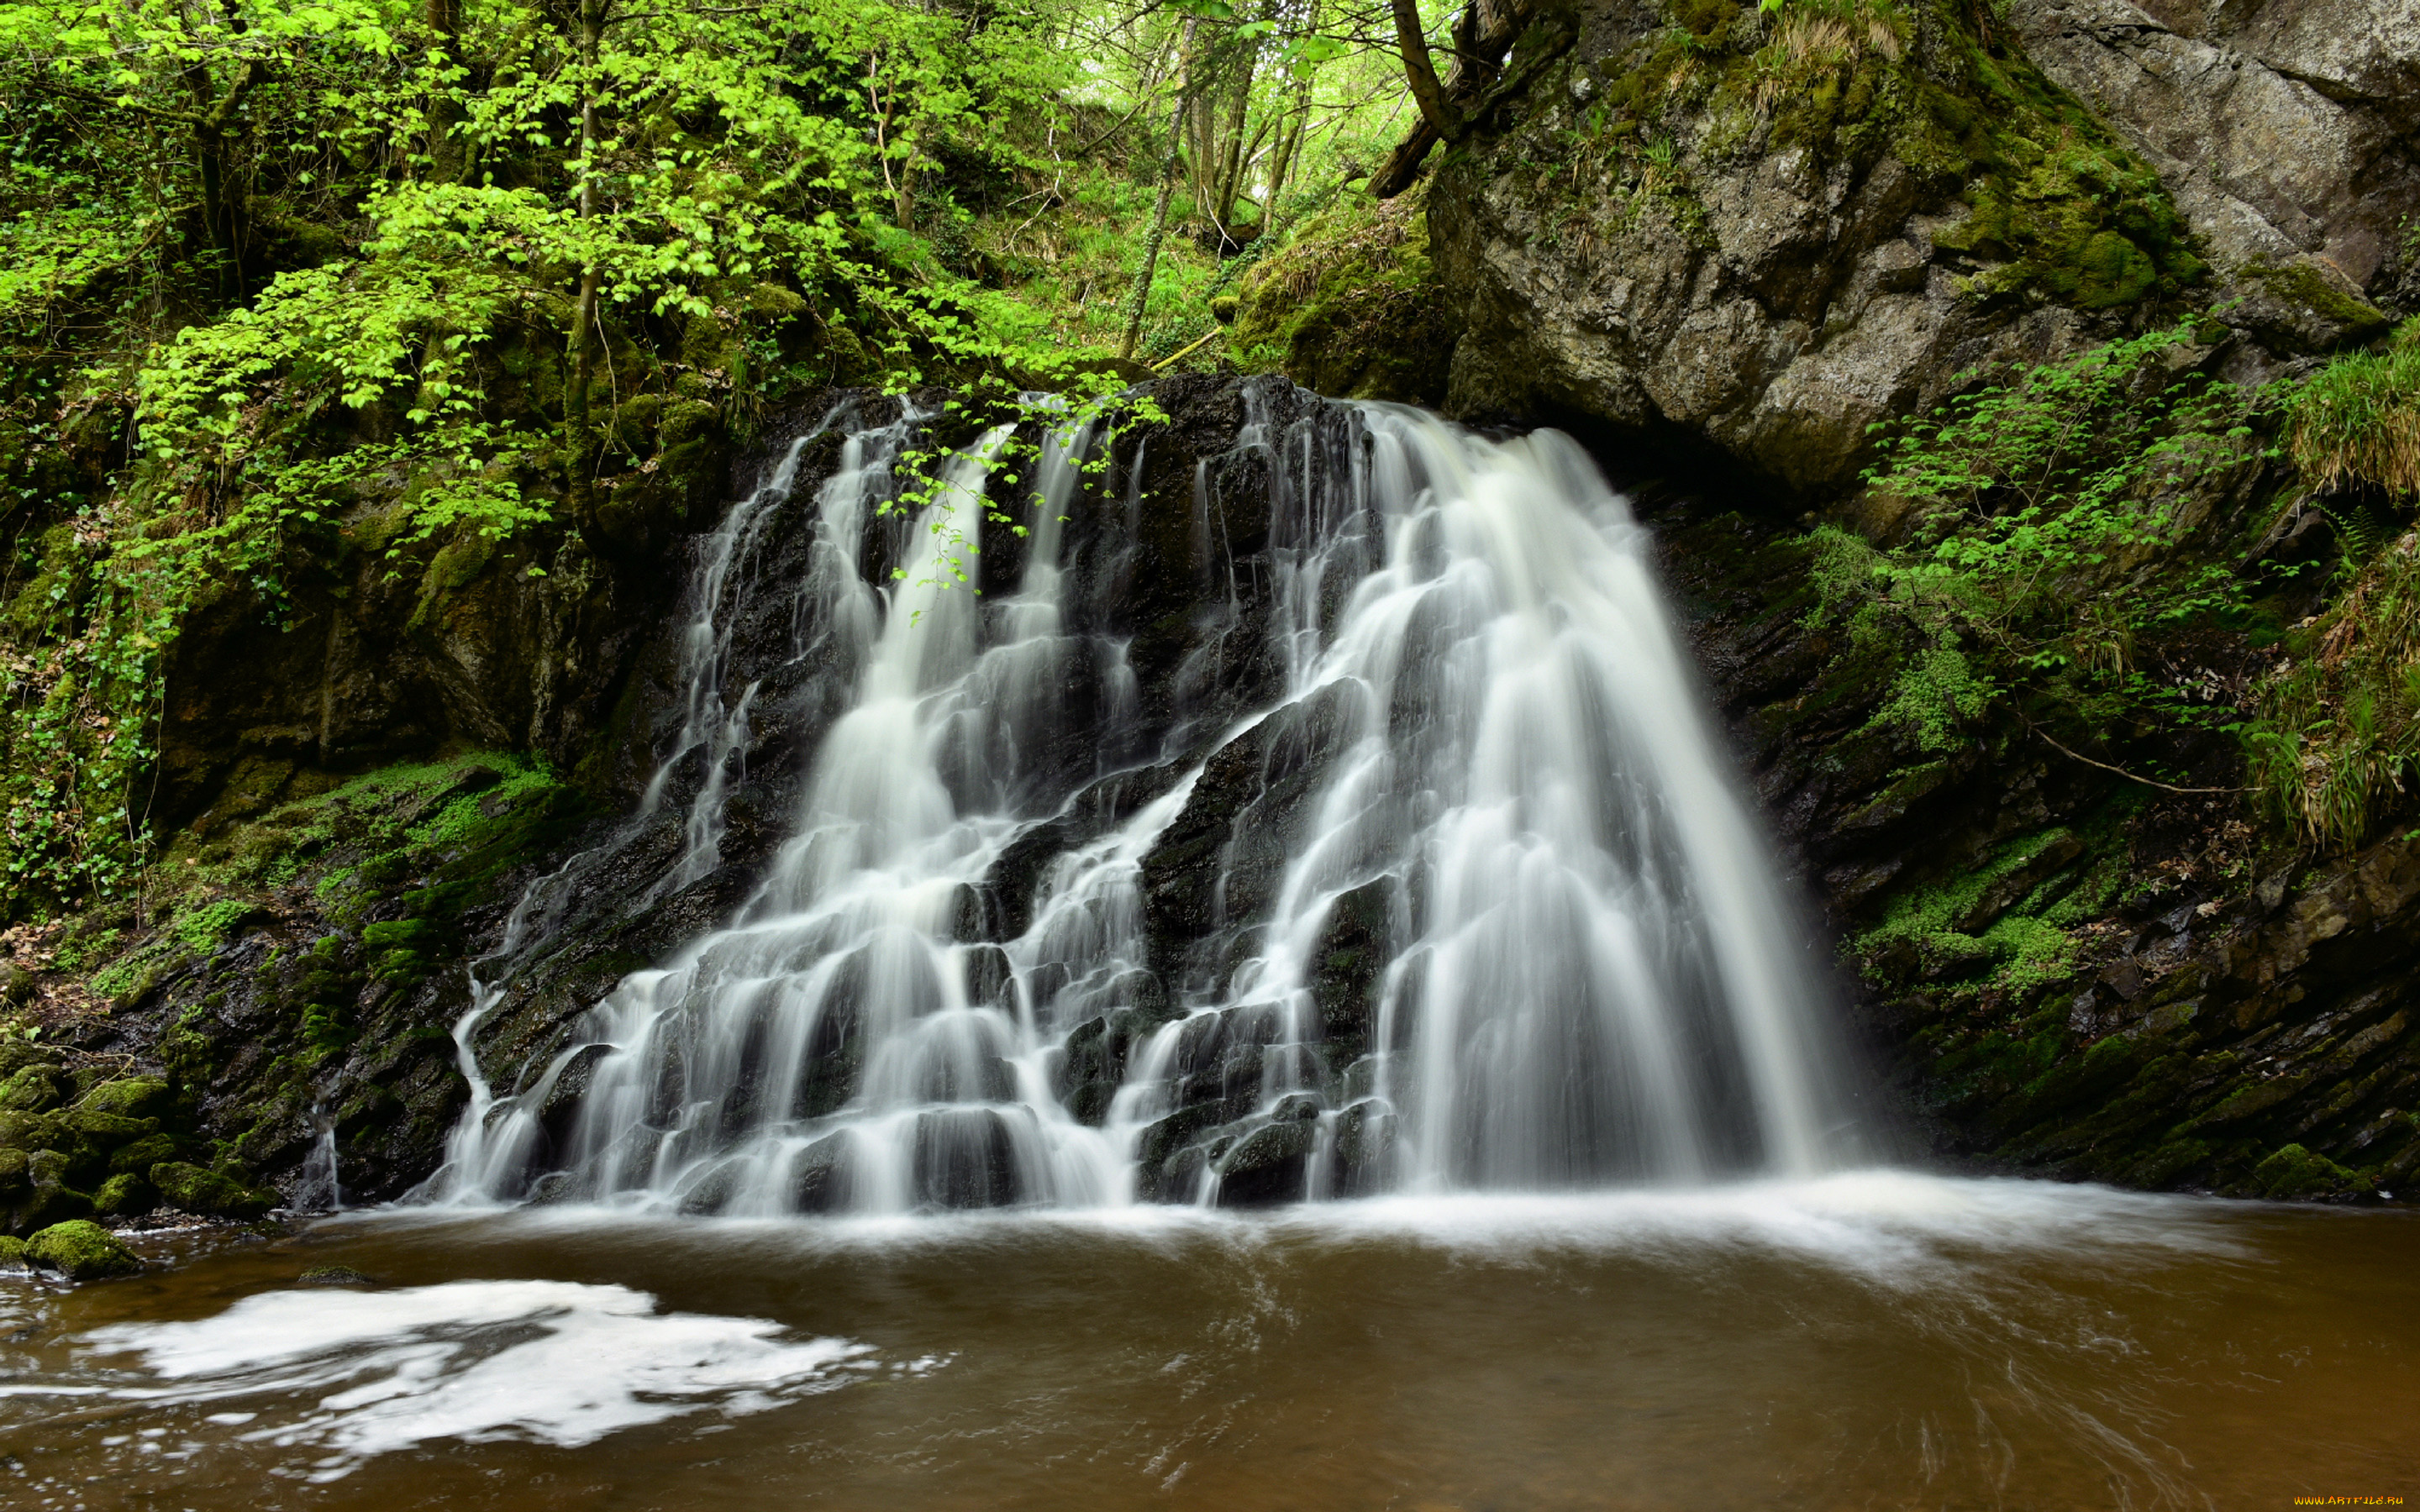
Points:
(2059, 208)
(207, 927)
(333, 1275)
(1932, 921)
(52, 1202)
(13, 1253)
(2296, 1172)
(324, 1028)
(32, 1089)
(1350, 307)
(135, 973)
(2301, 284)
(398, 934)
(82, 1251)
(2030, 953)
(130, 1097)
(196, 1190)
(61, 557)
(107, 1130)
(143, 1153)
(123, 1195)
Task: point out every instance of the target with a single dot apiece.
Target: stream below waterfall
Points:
(1870, 1339)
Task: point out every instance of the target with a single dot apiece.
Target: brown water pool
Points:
(1880, 1339)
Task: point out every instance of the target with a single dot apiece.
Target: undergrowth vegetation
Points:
(2338, 741)
(286, 283)
(2108, 559)
(2054, 526)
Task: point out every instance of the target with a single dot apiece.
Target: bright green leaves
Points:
(2338, 742)
(2043, 520)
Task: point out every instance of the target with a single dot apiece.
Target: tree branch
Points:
(178, 118)
(2118, 770)
(1421, 74)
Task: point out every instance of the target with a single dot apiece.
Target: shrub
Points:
(2357, 420)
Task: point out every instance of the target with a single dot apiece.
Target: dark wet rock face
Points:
(2196, 1025)
(2253, 1040)
(329, 1015)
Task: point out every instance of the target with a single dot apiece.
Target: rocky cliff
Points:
(2056, 968)
(1758, 234)
(2059, 968)
(1694, 234)
(1730, 246)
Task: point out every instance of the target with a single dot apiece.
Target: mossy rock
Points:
(13, 1253)
(36, 1089)
(123, 1195)
(775, 301)
(196, 1190)
(2304, 304)
(48, 1203)
(16, 1055)
(29, 1131)
(2296, 1172)
(108, 1129)
(143, 1153)
(333, 1275)
(398, 934)
(12, 1168)
(82, 1250)
(1350, 307)
(130, 1097)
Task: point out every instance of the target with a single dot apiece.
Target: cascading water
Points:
(1520, 935)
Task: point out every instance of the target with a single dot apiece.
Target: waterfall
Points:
(1483, 912)
(320, 1187)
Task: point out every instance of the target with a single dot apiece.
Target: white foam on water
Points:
(549, 1361)
(1887, 1226)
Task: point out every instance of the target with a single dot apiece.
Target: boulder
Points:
(82, 1251)
(1266, 1167)
(194, 1190)
(2282, 126)
(123, 1195)
(130, 1097)
(333, 1275)
(107, 1130)
(143, 1153)
(34, 1088)
(1805, 241)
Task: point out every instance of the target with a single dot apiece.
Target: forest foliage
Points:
(290, 281)
(2096, 547)
(285, 278)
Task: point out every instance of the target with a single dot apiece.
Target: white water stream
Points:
(1590, 976)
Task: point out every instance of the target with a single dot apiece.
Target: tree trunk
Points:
(1230, 169)
(579, 434)
(1288, 143)
(1167, 187)
(223, 197)
(1426, 92)
(1480, 35)
(445, 154)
